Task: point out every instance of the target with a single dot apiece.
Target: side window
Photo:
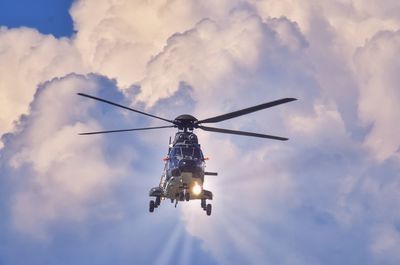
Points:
(175, 156)
(197, 153)
(176, 152)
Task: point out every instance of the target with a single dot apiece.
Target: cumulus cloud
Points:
(328, 196)
(29, 58)
(376, 64)
(59, 173)
(123, 35)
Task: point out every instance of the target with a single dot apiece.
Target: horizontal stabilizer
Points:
(211, 173)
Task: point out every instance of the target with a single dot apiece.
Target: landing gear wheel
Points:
(187, 196)
(203, 204)
(158, 201)
(151, 206)
(208, 209)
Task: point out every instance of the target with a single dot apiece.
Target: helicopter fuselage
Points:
(183, 175)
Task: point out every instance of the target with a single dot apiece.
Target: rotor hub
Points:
(185, 122)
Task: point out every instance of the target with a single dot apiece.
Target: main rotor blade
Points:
(124, 107)
(128, 130)
(246, 111)
(220, 130)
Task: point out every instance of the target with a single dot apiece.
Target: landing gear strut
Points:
(158, 201)
(203, 204)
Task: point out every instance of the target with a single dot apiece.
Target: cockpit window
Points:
(176, 152)
(186, 152)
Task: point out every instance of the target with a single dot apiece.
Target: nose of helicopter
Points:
(186, 165)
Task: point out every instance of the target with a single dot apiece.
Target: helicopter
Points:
(184, 170)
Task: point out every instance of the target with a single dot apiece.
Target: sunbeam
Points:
(324, 190)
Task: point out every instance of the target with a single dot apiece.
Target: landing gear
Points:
(203, 204)
(184, 196)
(208, 209)
(158, 201)
(181, 196)
(151, 206)
(154, 204)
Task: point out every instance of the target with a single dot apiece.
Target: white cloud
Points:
(223, 44)
(27, 59)
(59, 172)
(122, 36)
(298, 202)
(377, 65)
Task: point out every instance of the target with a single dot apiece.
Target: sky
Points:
(48, 17)
(329, 195)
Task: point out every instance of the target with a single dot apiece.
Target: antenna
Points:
(169, 145)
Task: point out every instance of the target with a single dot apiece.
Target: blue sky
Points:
(329, 195)
(48, 17)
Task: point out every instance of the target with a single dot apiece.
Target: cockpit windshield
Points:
(190, 152)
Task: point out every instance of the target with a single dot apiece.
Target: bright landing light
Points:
(196, 189)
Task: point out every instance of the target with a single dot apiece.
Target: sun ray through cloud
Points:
(328, 195)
